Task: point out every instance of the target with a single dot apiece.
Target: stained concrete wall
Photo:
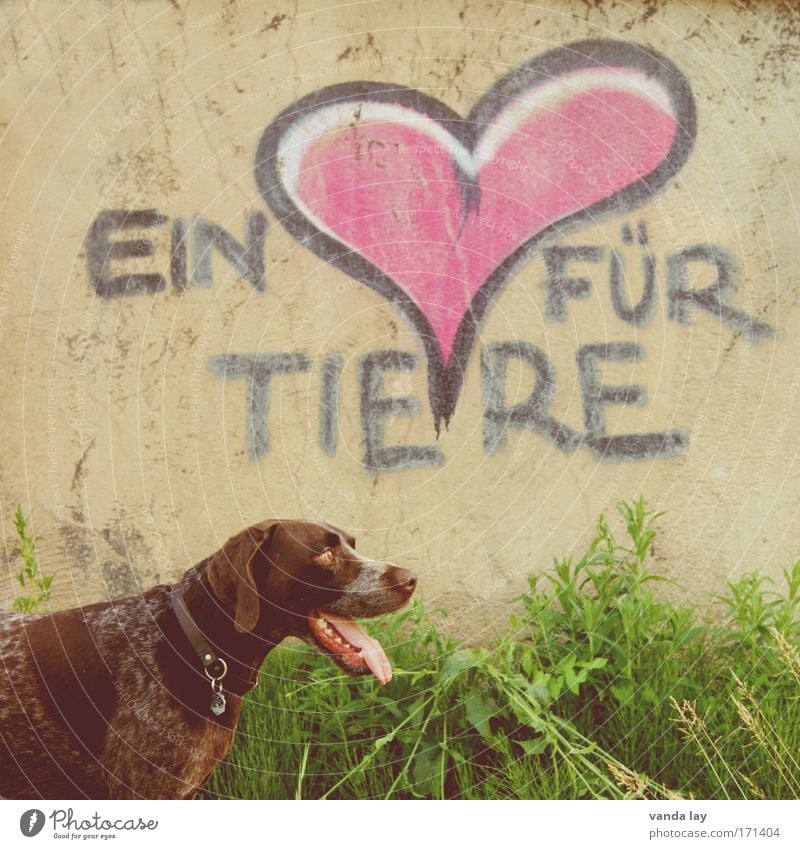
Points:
(231, 232)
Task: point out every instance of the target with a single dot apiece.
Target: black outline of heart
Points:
(444, 382)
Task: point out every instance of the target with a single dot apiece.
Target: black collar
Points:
(240, 678)
(214, 666)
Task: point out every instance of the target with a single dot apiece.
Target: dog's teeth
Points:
(321, 623)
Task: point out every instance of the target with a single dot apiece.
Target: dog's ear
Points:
(230, 574)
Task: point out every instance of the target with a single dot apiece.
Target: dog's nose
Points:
(403, 579)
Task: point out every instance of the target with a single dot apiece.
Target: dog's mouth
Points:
(348, 645)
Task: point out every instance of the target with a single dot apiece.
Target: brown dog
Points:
(140, 697)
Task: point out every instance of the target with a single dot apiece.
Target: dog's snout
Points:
(403, 579)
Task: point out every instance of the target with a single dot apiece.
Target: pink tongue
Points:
(371, 649)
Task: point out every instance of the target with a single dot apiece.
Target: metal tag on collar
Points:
(218, 703)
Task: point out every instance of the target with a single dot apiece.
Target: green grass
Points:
(598, 688)
(30, 577)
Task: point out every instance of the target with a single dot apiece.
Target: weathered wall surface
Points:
(455, 276)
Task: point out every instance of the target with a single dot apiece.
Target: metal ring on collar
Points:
(221, 675)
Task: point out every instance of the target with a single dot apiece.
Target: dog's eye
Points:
(326, 558)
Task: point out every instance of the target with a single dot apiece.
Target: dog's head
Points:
(307, 580)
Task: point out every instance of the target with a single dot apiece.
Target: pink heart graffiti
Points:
(436, 211)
